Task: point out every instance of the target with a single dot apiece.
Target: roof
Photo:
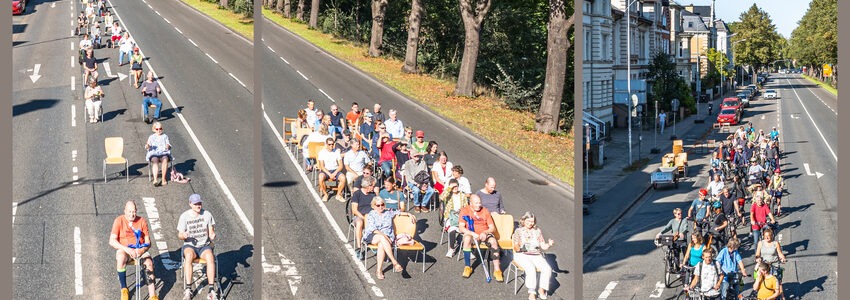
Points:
(702, 10)
(693, 23)
(721, 26)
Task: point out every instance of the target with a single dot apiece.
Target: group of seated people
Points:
(362, 142)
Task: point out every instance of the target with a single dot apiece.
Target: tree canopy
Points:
(760, 43)
(815, 40)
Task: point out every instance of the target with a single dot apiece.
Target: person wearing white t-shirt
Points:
(355, 161)
(708, 275)
(330, 168)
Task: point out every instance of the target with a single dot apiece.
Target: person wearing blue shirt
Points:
(700, 206)
(730, 263)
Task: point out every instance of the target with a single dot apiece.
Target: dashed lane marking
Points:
(237, 79)
(211, 58)
(270, 49)
(73, 83)
(608, 289)
(166, 20)
(178, 30)
(828, 147)
(78, 262)
(14, 211)
(73, 115)
(284, 60)
(326, 95)
(302, 75)
(193, 43)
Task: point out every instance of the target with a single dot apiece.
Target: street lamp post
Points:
(629, 70)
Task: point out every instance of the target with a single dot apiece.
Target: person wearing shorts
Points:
(196, 227)
(482, 232)
(123, 239)
(330, 167)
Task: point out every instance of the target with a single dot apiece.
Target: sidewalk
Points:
(615, 189)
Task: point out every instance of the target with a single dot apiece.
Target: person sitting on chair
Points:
(413, 168)
(528, 246)
(483, 231)
(93, 96)
(360, 207)
(196, 227)
(150, 91)
(89, 66)
(330, 165)
(159, 152)
(453, 201)
(393, 198)
(379, 231)
(123, 239)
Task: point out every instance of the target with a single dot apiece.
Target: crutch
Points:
(484, 263)
(138, 260)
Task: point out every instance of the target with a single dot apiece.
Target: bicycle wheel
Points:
(682, 295)
(668, 269)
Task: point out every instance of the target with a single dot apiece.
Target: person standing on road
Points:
(730, 262)
(699, 209)
(491, 199)
(150, 91)
(662, 120)
(196, 227)
(708, 276)
(528, 246)
(123, 239)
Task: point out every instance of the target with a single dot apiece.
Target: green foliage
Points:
(667, 84)
(815, 40)
(244, 7)
(761, 42)
(514, 92)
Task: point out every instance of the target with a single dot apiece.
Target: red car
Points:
(19, 7)
(732, 102)
(728, 115)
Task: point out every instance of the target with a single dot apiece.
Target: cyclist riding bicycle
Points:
(730, 263)
(777, 184)
(767, 284)
(679, 227)
(708, 276)
(699, 209)
(718, 225)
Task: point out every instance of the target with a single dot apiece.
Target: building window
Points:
(606, 54)
(588, 40)
(588, 10)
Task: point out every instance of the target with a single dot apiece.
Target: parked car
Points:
(770, 94)
(728, 115)
(781, 71)
(732, 103)
(19, 7)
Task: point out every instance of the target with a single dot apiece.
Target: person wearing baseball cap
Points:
(196, 228)
(701, 206)
(419, 144)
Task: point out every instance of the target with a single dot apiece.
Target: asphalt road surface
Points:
(626, 265)
(305, 239)
(63, 209)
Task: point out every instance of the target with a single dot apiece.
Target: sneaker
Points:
(467, 271)
(361, 255)
(187, 294)
(417, 209)
(498, 275)
(450, 253)
(325, 197)
(125, 294)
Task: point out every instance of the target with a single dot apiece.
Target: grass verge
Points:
(485, 116)
(234, 21)
(822, 84)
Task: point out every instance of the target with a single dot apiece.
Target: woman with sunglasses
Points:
(159, 152)
(379, 231)
(136, 66)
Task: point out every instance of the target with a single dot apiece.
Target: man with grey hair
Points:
(394, 126)
(361, 205)
(377, 115)
(414, 166)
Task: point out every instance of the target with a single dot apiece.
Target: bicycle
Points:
(687, 273)
(671, 257)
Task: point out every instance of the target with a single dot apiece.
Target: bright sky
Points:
(784, 13)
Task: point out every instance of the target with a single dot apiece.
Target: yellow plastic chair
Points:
(402, 225)
(115, 155)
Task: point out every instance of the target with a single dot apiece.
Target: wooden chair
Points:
(289, 135)
(115, 155)
(313, 149)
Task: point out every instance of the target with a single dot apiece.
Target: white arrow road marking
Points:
(659, 289)
(108, 70)
(52, 5)
(267, 266)
(809, 171)
(121, 76)
(78, 262)
(34, 77)
(156, 232)
(608, 289)
(291, 272)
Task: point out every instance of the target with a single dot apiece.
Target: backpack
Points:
(716, 272)
(422, 177)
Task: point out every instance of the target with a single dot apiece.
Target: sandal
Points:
(398, 268)
(380, 275)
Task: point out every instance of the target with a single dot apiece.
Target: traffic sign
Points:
(827, 70)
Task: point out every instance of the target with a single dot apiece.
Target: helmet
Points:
(703, 192)
(716, 204)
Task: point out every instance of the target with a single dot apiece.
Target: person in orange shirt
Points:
(353, 116)
(483, 230)
(123, 239)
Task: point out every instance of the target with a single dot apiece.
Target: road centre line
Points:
(178, 29)
(270, 49)
(213, 59)
(74, 155)
(72, 43)
(326, 95)
(157, 12)
(340, 235)
(284, 60)
(73, 83)
(239, 212)
(237, 80)
(149, 6)
(608, 289)
(73, 114)
(78, 262)
(813, 121)
(302, 75)
(72, 61)
(193, 43)
(166, 20)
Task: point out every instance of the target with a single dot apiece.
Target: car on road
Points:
(728, 115)
(732, 103)
(781, 71)
(19, 7)
(770, 94)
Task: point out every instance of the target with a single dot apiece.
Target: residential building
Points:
(597, 73)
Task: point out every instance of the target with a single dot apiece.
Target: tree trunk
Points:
(223, 3)
(314, 14)
(556, 67)
(299, 11)
(287, 8)
(472, 19)
(279, 6)
(415, 19)
(379, 9)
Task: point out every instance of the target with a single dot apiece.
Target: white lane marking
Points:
(237, 79)
(149, 6)
(166, 20)
(72, 46)
(809, 172)
(659, 289)
(302, 75)
(821, 100)
(291, 272)
(193, 43)
(73, 83)
(72, 31)
(813, 122)
(108, 70)
(158, 14)
(74, 155)
(339, 234)
(178, 29)
(326, 95)
(73, 115)
(239, 212)
(270, 49)
(14, 210)
(78, 262)
(156, 233)
(211, 58)
(267, 266)
(608, 289)
(72, 61)
(74, 169)
(34, 77)
(52, 5)
(284, 60)
(75, 178)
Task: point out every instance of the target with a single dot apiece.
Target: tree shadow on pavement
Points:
(33, 105)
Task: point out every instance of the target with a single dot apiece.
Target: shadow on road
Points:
(795, 290)
(33, 105)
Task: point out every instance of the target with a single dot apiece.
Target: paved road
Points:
(617, 267)
(295, 71)
(64, 211)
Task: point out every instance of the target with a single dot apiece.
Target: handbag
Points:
(404, 240)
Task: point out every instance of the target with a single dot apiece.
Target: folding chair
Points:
(403, 224)
(115, 155)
